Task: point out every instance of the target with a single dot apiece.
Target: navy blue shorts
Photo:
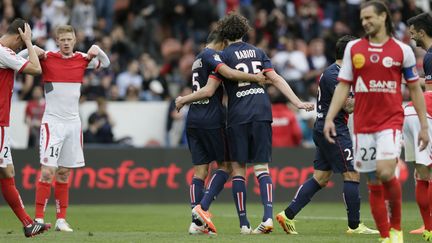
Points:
(207, 145)
(336, 157)
(250, 142)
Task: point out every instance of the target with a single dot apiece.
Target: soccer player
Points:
(420, 28)
(374, 65)
(330, 157)
(61, 134)
(206, 127)
(17, 35)
(249, 119)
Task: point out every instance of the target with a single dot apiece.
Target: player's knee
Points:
(62, 175)
(322, 181)
(7, 172)
(385, 174)
(260, 169)
(201, 172)
(226, 166)
(47, 175)
(351, 176)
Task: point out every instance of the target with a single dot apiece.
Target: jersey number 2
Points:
(243, 67)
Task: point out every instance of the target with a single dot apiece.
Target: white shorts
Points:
(61, 145)
(5, 149)
(411, 130)
(370, 147)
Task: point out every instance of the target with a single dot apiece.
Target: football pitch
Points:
(318, 222)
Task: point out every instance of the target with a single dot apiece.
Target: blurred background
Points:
(152, 45)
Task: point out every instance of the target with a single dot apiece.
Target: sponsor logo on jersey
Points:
(252, 91)
(384, 86)
(201, 102)
(375, 49)
(374, 58)
(197, 64)
(358, 60)
(360, 85)
(217, 57)
(388, 62)
(280, 121)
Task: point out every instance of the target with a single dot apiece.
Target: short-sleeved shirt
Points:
(327, 85)
(247, 102)
(9, 64)
(375, 71)
(207, 113)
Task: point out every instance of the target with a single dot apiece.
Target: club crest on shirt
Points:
(217, 57)
(358, 60)
(374, 58)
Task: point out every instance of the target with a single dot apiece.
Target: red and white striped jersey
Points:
(9, 64)
(375, 71)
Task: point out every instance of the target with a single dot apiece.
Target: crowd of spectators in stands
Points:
(152, 43)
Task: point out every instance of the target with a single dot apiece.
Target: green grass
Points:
(318, 222)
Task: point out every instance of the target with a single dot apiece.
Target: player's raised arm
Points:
(98, 57)
(39, 52)
(33, 67)
(239, 76)
(205, 92)
(283, 86)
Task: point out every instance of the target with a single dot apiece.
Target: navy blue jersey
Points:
(427, 65)
(327, 85)
(247, 102)
(207, 113)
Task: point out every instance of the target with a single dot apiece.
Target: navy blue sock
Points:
(239, 195)
(352, 203)
(196, 192)
(215, 186)
(302, 198)
(266, 192)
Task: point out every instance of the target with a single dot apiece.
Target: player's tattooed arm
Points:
(349, 105)
(239, 76)
(205, 92)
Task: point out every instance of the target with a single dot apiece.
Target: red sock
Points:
(61, 193)
(43, 193)
(394, 191)
(12, 197)
(422, 198)
(378, 209)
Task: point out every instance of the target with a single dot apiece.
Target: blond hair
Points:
(64, 29)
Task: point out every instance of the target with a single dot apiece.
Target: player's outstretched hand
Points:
(329, 131)
(423, 139)
(26, 35)
(92, 52)
(178, 103)
(306, 106)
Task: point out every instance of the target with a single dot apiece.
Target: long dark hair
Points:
(380, 7)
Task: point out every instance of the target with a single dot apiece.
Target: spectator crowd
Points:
(152, 43)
